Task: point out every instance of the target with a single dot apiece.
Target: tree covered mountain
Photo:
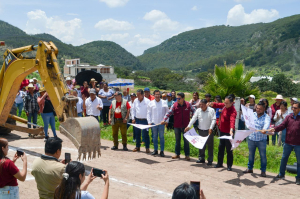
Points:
(96, 52)
(264, 47)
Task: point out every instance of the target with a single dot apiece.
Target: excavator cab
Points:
(83, 132)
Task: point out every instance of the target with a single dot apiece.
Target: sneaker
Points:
(45, 139)
(200, 161)
(279, 177)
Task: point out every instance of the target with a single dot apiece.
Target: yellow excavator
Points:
(84, 132)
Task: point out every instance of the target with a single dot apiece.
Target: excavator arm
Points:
(85, 136)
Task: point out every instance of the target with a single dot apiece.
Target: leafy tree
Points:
(263, 85)
(202, 77)
(227, 80)
(283, 85)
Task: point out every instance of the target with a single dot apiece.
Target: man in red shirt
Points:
(227, 123)
(118, 115)
(147, 94)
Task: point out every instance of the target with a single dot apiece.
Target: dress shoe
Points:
(200, 161)
(279, 177)
(136, 149)
(187, 158)
(114, 148)
(209, 163)
(162, 154)
(248, 171)
(218, 166)
(229, 169)
(176, 157)
(147, 150)
(298, 181)
(154, 152)
(263, 174)
(125, 147)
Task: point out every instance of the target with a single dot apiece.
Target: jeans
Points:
(210, 145)
(9, 192)
(32, 117)
(159, 129)
(178, 132)
(49, 118)
(283, 135)
(20, 107)
(261, 145)
(105, 112)
(224, 143)
(115, 129)
(145, 133)
(287, 149)
(79, 114)
(274, 138)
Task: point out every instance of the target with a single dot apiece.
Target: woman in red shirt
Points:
(9, 173)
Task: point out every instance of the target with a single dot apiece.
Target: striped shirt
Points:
(262, 122)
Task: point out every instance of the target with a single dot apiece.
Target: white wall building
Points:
(255, 79)
(73, 67)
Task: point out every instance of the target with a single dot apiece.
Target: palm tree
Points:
(231, 80)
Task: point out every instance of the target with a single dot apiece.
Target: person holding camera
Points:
(74, 184)
(47, 170)
(9, 172)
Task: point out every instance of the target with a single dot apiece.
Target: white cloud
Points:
(67, 31)
(165, 24)
(114, 37)
(114, 3)
(149, 40)
(194, 8)
(155, 15)
(113, 25)
(237, 16)
(161, 21)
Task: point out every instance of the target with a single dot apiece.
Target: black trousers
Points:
(104, 114)
(225, 143)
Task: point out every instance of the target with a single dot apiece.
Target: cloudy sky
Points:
(136, 25)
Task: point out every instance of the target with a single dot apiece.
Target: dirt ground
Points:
(139, 175)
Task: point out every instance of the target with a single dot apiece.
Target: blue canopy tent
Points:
(121, 82)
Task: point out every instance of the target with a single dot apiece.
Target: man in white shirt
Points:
(93, 105)
(156, 111)
(79, 104)
(139, 116)
(206, 117)
(19, 101)
(293, 99)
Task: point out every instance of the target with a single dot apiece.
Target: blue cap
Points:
(169, 95)
(146, 89)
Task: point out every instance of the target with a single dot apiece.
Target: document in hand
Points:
(239, 136)
(142, 126)
(248, 115)
(195, 139)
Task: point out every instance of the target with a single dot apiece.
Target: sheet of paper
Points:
(195, 139)
(142, 126)
(229, 137)
(249, 117)
(239, 136)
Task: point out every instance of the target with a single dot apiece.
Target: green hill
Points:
(96, 52)
(263, 47)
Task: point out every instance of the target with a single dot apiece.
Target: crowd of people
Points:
(162, 109)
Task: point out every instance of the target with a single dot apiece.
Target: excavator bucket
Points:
(84, 132)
